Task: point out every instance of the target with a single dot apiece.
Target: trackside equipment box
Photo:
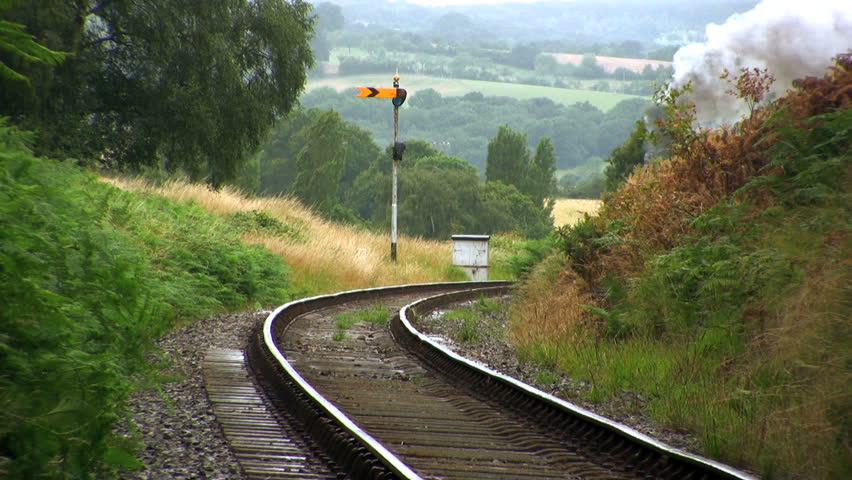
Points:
(470, 252)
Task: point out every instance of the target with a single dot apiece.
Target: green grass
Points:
(343, 322)
(547, 377)
(487, 305)
(91, 276)
(376, 315)
(468, 332)
(458, 87)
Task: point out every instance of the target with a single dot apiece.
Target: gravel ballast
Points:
(178, 429)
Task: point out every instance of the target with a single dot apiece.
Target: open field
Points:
(610, 64)
(570, 210)
(457, 87)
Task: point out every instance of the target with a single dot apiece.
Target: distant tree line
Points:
(335, 167)
(463, 125)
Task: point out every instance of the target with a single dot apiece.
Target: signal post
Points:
(397, 96)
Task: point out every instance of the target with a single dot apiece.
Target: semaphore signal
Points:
(398, 96)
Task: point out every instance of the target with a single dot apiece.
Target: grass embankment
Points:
(323, 256)
(716, 284)
(91, 275)
(459, 86)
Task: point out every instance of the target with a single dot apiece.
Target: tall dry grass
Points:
(326, 256)
(549, 307)
(568, 211)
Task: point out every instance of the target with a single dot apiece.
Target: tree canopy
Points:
(507, 157)
(176, 83)
(624, 158)
(321, 161)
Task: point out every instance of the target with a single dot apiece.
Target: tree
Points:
(439, 197)
(361, 152)
(278, 157)
(427, 98)
(523, 56)
(541, 177)
(320, 163)
(15, 41)
(181, 84)
(329, 18)
(508, 157)
(589, 68)
(505, 209)
(624, 158)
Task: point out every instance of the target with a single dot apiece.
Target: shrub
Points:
(90, 277)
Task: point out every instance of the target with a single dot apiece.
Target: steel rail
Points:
(327, 424)
(438, 356)
(365, 457)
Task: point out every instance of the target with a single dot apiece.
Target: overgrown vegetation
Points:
(476, 320)
(715, 283)
(91, 276)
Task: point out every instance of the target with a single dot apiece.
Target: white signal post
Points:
(395, 172)
(398, 95)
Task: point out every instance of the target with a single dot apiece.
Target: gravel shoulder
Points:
(176, 426)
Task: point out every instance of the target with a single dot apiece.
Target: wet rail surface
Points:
(434, 416)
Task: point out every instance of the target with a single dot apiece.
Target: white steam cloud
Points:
(790, 38)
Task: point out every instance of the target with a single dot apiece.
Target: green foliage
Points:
(531, 254)
(15, 40)
(541, 175)
(505, 209)
(582, 243)
(812, 160)
(469, 331)
(487, 305)
(171, 84)
(547, 377)
(376, 315)
(321, 162)
(707, 285)
(701, 330)
(464, 124)
(439, 197)
(278, 161)
(343, 321)
(90, 277)
(624, 158)
(508, 158)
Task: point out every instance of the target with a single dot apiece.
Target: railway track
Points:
(385, 402)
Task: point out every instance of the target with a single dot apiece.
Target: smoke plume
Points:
(790, 38)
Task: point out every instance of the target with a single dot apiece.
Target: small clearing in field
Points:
(571, 210)
(611, 63)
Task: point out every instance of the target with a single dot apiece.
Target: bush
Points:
(90, 277)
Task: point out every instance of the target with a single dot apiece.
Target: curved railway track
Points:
(386, 402)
